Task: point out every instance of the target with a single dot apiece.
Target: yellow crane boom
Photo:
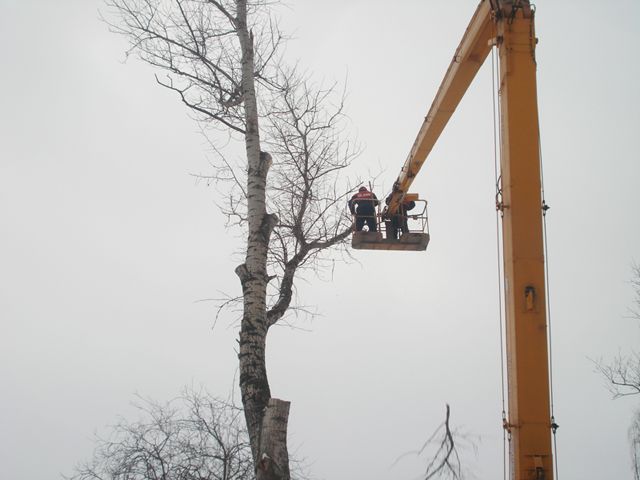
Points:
(508, 25)
(468, 59)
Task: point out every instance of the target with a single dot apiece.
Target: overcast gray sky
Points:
(107, 243)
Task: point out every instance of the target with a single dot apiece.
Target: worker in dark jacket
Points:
(363, 206)
(398, 221)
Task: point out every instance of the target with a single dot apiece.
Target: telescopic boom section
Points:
(468, 59)
(508, 24)
(525, 295)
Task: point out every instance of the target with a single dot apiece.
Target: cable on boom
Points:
(545, 207)
(497, 131)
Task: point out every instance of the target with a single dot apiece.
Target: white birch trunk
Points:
(274, 458)
(254, 383)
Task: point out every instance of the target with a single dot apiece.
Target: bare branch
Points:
(622, 375)
(444, 463)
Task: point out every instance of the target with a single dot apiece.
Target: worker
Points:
(398, 221)
(363, 205)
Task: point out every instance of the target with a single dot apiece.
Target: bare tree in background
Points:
(623, 378)
(221, 57)
(622, 374)
(446, 461)
(194, 437)
(442, 450)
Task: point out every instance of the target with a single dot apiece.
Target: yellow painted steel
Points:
(526, 324)
(509, 24)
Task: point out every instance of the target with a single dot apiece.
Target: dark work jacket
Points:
(363, 203)
(403, 208)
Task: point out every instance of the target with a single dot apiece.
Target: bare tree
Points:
(623, 373)
(446, 462)
(222, 59)
(622, 377)
(442, 449)
(194, 437)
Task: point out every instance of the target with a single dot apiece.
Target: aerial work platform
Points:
(376, 241)
(384, 238)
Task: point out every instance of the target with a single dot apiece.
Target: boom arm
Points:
(468, 59)
(509, 24)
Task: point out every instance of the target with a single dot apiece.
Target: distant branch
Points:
(445, 462)
(622, 374)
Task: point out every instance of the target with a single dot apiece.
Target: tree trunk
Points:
(254, 384)
(274, 458)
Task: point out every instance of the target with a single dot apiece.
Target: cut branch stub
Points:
(269, 221)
